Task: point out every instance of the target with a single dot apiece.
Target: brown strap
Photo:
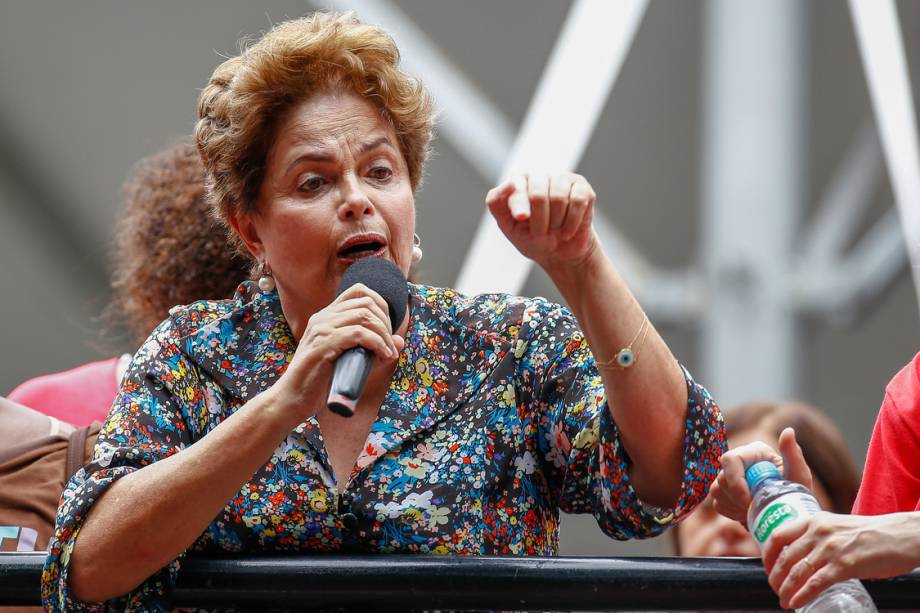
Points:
(76, 449)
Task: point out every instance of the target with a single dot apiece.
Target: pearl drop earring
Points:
(417, 252)
(266, 281)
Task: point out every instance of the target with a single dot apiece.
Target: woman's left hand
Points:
(546, 217)
(803, 558)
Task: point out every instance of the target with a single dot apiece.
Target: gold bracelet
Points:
(627, 356)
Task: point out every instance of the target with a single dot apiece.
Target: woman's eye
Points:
(381, 173)
(312, 184)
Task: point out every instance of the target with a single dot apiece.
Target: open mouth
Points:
(357, 247)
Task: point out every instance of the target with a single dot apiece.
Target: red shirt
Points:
(78, 396)
(891, 478)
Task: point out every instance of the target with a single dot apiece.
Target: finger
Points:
(362, 309)
(367, 317)
(735, 497)
(358, 335)
(822, 579)
(363, 318)
(799, 574)
(363, 302)
(725, 503)
(777, 552)
(538, 193)
(581, 205)
(560, 186)
(518, 200)
(795, 468)
(359, 289)
(500, 192)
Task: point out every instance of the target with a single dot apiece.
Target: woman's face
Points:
(707, 533)
(336, 189)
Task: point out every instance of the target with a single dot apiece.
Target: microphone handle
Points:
(348, 379)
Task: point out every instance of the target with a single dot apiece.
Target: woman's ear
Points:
(245, 227)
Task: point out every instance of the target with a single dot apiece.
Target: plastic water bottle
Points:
(777, 501)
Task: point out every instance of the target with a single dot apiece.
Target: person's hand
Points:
(358, 317)
(729, 491)
(547, 218)
(805, 557)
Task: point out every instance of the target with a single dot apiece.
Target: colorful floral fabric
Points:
(495, 419)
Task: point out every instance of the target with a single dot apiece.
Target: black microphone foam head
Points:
(383, 277)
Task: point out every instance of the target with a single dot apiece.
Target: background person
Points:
(483, 416)
(704, 532)
(167, 251)
(891, 477)
(163, 234)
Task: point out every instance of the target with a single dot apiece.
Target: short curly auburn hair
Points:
(247, 94)
(168, 250)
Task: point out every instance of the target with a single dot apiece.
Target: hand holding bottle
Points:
(779, 504)
(806, 556)
(730, 493)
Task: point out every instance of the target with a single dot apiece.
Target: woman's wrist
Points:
(283, 408)
(571, 276)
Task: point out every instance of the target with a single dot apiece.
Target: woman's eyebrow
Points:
(383, 140)
(322, 156)
(313, 156)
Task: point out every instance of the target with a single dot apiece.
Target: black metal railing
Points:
(441, 582)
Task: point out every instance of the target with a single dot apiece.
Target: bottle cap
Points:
(759, 472)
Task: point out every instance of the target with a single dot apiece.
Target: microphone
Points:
(353, 366)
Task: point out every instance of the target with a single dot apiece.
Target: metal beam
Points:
(842, 287)
(881, 46)
(752, 195)
(844, 200)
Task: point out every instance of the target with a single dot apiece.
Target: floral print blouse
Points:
(495, 420)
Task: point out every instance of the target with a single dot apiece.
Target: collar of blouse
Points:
(448, 355)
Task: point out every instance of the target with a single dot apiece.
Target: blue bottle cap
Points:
(759, 472)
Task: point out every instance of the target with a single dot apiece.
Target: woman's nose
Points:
(355, 202)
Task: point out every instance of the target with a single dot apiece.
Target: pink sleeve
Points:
(891, 478)
(78, 396)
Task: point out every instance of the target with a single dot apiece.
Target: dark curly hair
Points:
(168, 250)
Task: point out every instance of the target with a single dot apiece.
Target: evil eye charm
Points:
(625, 358)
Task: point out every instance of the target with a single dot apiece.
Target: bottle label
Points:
(785, 508)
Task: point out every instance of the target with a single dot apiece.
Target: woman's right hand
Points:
(357, 317)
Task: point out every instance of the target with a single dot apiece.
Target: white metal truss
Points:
(881, 46)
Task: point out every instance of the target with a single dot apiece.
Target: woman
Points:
(167, 252)
(704, 532)
(482, 417)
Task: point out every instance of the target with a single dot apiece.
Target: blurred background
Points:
(89, 88)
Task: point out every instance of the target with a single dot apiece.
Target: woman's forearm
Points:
(649, 399)
(148, 518)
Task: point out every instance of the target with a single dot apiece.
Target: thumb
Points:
(794, 466)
